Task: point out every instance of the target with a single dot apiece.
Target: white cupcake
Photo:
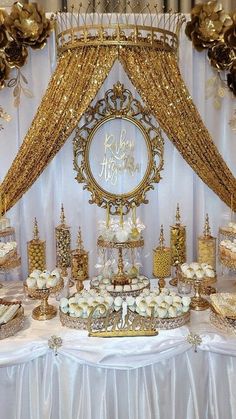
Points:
(161, 312)
(165, 291)
(199, 273)
(134, 287)
(65, 309)
(41, 282)
(45, 274)
(109, 300)
(184, 267)
(177, 299)
(118, 288)
(35, 274)
(210, 273)
(172, 312)
(122, 235)
(64, 302)
(106, 281)
(31, 282)
(134, 281)
(159, 299)
(56, 272)
(168, 299)
(142, 306)
(148, 299)
(127, 287)
(110, 287)
(118, 301)
(51, 281)
(194, 265)
(186, 301)
(72, 300)
(145, 282)
(130, 301)
(189, 273)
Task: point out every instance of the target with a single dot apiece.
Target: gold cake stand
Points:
(44, 311)
(121, 278)
(198, 303)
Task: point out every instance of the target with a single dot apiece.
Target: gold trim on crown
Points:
(147, 29)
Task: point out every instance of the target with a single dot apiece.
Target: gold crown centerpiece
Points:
(150, 28)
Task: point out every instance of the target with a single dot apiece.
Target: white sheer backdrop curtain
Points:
(57, 183)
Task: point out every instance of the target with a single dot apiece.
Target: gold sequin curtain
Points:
(156, 76)
(75, 82)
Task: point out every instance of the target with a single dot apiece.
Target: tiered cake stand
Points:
(121, 278)
(226, 233)
(14, 261)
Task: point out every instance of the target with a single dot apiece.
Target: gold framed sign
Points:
(118, 151)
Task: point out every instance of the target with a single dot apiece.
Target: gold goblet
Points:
(44, 311)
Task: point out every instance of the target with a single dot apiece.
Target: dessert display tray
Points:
(225, 324)
(13, 326)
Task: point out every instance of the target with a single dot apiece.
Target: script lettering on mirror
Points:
(118, 157)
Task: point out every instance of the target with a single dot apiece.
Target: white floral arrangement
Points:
(228, 248)
(162, 303)
(6, 249)
(106, 284)
(117, 232)
(197, 270)
(43, 279)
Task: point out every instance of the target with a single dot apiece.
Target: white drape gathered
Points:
(57, 183)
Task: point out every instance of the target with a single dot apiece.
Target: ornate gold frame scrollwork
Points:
(118, 102)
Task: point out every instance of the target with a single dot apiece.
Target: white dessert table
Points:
(159, 377)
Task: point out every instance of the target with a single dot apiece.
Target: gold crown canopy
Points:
(150, 28)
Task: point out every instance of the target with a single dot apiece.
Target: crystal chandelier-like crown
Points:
(150, 28)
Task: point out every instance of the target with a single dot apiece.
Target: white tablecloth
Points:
(154, 377)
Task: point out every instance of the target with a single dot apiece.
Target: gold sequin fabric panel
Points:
(156, 76)
(74, 84)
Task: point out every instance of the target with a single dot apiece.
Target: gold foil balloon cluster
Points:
(36, 250)
(211, 27)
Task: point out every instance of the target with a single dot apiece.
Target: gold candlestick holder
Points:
(44, 311)
(177, 244)
(79, 264)
(161, 261)
(207, 246)
(36, 251)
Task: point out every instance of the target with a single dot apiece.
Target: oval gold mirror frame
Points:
(118, 104)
